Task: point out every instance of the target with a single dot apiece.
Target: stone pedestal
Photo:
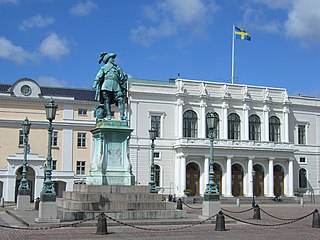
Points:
(110, 163)
(210, 206)
(48, 212)
(23, 203)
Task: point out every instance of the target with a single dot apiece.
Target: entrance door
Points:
(258, 188)
(192, 178)
(217, 176)
(30, 178)
(278, 180)
(237, 180)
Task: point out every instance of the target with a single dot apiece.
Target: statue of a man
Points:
(111, 87)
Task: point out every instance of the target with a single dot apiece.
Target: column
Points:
(180, 117)
(182, 174)
(203, 119)
(67, 143)
(250, 178)
(286, 112)
(229, 178)
(225, 107)
(206, 172)
(246, 109)
(266, 111)
(290, 176)
(177, 172)
(270, 179)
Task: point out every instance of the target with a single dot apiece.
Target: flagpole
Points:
(232, 58)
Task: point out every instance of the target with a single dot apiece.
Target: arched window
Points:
(233, 126)
(157, 175)
(302, 178)
(274, 129)
(216, 128)
(190, 121)
(254, 128)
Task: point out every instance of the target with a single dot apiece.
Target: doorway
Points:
(258, 178)
(237, 180)
(278, 180)
(193, 178)
(217, 176)
(31, 181)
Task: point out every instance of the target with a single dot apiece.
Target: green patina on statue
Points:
(111, 87)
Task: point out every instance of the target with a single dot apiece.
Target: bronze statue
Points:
(111, 87)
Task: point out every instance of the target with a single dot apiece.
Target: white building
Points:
(266, 144)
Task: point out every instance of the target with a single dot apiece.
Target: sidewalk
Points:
(189, 228)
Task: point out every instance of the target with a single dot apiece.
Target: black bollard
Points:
(256, 212)
(102, 225)
(316, 219)
(179, 204)
(220, 223)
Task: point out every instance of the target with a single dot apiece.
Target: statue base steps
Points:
(119, 202)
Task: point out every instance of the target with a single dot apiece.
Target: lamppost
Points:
(152, 183)
(211, 192)
(48, 192)
(253, 188)
(24, 186)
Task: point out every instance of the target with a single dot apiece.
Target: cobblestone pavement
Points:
(300, 230)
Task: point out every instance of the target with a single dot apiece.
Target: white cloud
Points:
(54, 47)
(83, 8)
(37, 21)
(13, 52)
(51, 81)
(170, 17)
(303, 21)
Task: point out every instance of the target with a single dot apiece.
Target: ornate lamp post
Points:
(211, 192)
(48, 192)
(24, 186)
(152, 183)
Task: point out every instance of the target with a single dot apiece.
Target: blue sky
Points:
(58, 42)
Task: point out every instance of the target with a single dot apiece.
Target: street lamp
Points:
(211, 192)
(48, 192)
(152, 183)
(24, 186)
(253, 189)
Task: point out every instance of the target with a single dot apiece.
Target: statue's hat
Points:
(105, 56)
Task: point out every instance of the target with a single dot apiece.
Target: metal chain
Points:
(269, 225)
(190, 206)
(51, 227)
(237, 212)
(159, 229)
(282, 219)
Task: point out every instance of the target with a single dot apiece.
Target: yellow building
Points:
(71, 141)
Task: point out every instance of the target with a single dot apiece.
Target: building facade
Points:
(266, 142)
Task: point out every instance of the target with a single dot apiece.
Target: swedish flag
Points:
(241, 34)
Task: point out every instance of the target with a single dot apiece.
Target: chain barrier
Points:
(190, 206)
(282, 219)
(237, 212)
(74, 224)
(159, 229)
(270, 225)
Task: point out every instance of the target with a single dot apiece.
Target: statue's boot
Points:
(108, 110)
(121, 109)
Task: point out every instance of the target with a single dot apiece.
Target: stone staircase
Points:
(119, 202)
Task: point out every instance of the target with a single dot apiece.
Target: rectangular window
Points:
(82, 140)
(301, 134)
(81, 168)
(20, 137)
(54, 138)
(82, 112)
(302, 159)
(156, 155)
(155, 124)
(54, 164)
